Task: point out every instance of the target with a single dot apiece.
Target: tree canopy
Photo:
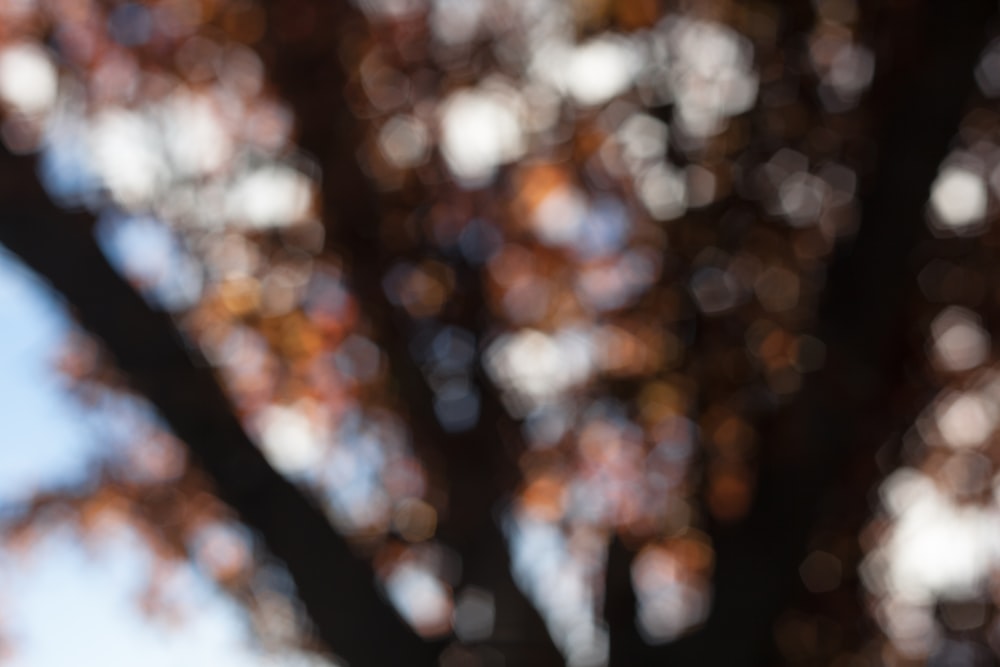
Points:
(530, 333)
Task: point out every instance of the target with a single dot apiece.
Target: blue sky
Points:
(43, 441)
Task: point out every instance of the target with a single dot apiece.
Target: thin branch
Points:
(480, 465)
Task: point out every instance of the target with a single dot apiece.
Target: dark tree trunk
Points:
(925, 80)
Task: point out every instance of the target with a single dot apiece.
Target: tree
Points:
(628, 274)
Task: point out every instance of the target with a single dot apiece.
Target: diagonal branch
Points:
(337, 588)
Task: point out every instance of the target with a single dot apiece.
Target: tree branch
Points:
(337, 588)
(480, 466)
